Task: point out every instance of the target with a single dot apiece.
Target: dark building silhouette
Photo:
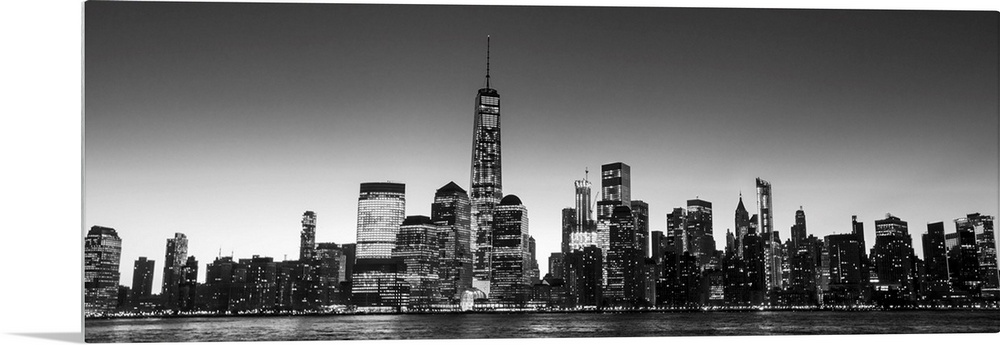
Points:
(173, 270)
(658, 245)
(307, 239)
(511, 255)
(935, 262)
(583, 276)
(328, 275)
(698, 231)
(260, 283)
(187, 287)
(220, 283)
(486, 178)
(557, 266)
(676, 224)
(963, 260)
(450, 211)
(569, 224)
(625, 260)
(532, 271)
(742, 220)
(891, 257)
(798, 231)
(417, 247)
(847, 274)
(640, 211)
(142, 279)
(986, 251)
(102, 250)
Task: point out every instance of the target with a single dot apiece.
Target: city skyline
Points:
(272, 168)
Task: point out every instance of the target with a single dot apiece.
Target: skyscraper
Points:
(417, 247)
(173, 270)
(616, 188)
(640, 211)
(935, 260)
(101, 257)
(798, 231)
(891, 256)
(765, 227)
(142, 278)
(307, 243)
(381, 207)
(568, 229)
(450, 211)
(556, 265)
(510, 253)
(742, 220)
(676, 224)
(582, 198)
(698, 231)
(486, 178)
(986, 250)
(624, 266)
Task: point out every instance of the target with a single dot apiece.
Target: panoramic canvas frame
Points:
(320, 154)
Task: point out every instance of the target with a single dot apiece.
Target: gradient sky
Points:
(227, 121)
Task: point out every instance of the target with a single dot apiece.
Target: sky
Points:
(227, 121)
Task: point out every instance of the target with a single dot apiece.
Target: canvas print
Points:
(259, 171)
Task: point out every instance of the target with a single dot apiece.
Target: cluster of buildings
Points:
(474, 252)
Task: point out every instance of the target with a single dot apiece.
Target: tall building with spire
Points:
(486, 179)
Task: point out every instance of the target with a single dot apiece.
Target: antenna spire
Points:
(487, 61)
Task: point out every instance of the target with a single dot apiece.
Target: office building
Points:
(487, 183)
(102, 250)
(417, 247)
(935, 262)
(510, 255)
(142, 279)
(381, 207)
(986, 251)
(891, 256)
(640, 211)
(173, 270)
(450, 212)
(698, 231)
(307, 238)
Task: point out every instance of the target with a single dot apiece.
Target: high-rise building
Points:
(568, 228)
(532, 271)
(381, 207)
(187, 288)
(742, 220)
(640, 211)
(798, 230)
(986, 251)
(616, 188)
(261, 282)
(676, 224)
(510, 256)
(584, 218)
(557, 265)
(891, 257)
(450, 211)
(417, 246)
(583, 276)
(173, 270)
(765, 226)
(624, 267)
(858, 230)
(963, 259)
(307, 243)
(101, 257)
(487, 183)
(142, 278)
(658, 245)
(935, 261)
(698, 231)
(847, 275)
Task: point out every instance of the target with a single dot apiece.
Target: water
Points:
(451, 326)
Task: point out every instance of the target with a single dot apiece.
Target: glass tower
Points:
(307, 245)
(511, 254)
(450, 211)
(173, 269)
(381, 207)
(765, 226)
(486, 182)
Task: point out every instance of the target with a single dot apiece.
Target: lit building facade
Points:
(510, 255)
(486, 177)
(417, 247)
(307, 238)
(451, 213)
(101, 258)
(640, 211)
(624, 267)
(765, 226)
(381, 207)
(742, 222)
(798, 231)
(173, 270)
